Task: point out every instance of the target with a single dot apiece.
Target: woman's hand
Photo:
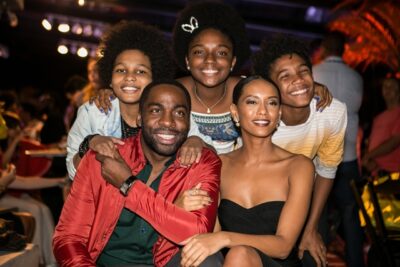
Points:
(190, 151)
(103, 100)
(323, 95)
(193, 199)
(199, 247)
(104, 145)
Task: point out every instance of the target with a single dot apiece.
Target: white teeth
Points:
(210, 71)
(166, 136)
(130, 88)
(263, 122)
(299, 92)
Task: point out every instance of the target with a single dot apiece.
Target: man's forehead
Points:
(167, 91)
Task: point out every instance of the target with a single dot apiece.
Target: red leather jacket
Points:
(93, 207)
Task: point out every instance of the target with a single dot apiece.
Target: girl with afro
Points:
(209, 43)
(132, 55)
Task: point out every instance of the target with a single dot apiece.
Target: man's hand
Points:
(190, 151)
(114, 169)
(312, 241)
(103, 100)
(104, 145)
(324, 96)
(193, 199)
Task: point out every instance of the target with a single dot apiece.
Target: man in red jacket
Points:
(123, 214)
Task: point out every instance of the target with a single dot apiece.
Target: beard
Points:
(163, 149)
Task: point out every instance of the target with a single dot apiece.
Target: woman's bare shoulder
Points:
(229, 158)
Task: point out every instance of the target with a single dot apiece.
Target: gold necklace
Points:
(201, 101)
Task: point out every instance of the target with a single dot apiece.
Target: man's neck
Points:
(294, 116)
(156, 160)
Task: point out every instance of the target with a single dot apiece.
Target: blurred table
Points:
(48, 153)
(29, 257)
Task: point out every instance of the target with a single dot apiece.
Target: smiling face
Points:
(210, 57)
(258, 108)
(131, 74)
(165, 119)
(294, 80)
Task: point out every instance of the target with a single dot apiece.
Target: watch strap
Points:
(127, 184)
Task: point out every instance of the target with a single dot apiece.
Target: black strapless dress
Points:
(258, 220)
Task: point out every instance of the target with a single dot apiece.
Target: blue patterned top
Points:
(219, 127)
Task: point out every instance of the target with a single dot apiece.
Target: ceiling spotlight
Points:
(77, 28)
(62, 49)
(47, 24)
(87, 30)
(63, 27)
(98, 32)
(82, 52)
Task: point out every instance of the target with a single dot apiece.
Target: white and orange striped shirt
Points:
(320, 138)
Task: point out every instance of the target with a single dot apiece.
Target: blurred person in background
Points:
(384, 141)
(346, 85)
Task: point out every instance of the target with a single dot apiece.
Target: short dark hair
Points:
(274, 49)
(215, 15)
(147, 90)
(334, 43)
(238, 90)
(134, 35)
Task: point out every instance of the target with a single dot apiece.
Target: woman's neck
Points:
(209, 94)
(255, 149)
(129, 113)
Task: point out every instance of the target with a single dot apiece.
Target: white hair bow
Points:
(192, 26)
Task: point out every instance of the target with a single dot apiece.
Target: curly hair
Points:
(274, 49)
(138, 36)
(210, 14)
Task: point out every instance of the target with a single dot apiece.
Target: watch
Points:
(124, 189)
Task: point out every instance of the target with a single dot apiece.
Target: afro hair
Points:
(210, 14)
(136, 36)
(274, 49)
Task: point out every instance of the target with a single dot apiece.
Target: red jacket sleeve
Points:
(170, 221)
(72, 232)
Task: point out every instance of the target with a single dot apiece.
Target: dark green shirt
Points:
(133, 238)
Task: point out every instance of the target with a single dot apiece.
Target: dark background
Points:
(33, 59)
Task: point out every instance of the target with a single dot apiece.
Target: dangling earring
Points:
(278, 123)
(231, 69)
(110, 85)
(237, 123)
(188, 67)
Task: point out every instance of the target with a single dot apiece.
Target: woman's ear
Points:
(233, 63)
(139, 120)
(187, 63)
(234, 113)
